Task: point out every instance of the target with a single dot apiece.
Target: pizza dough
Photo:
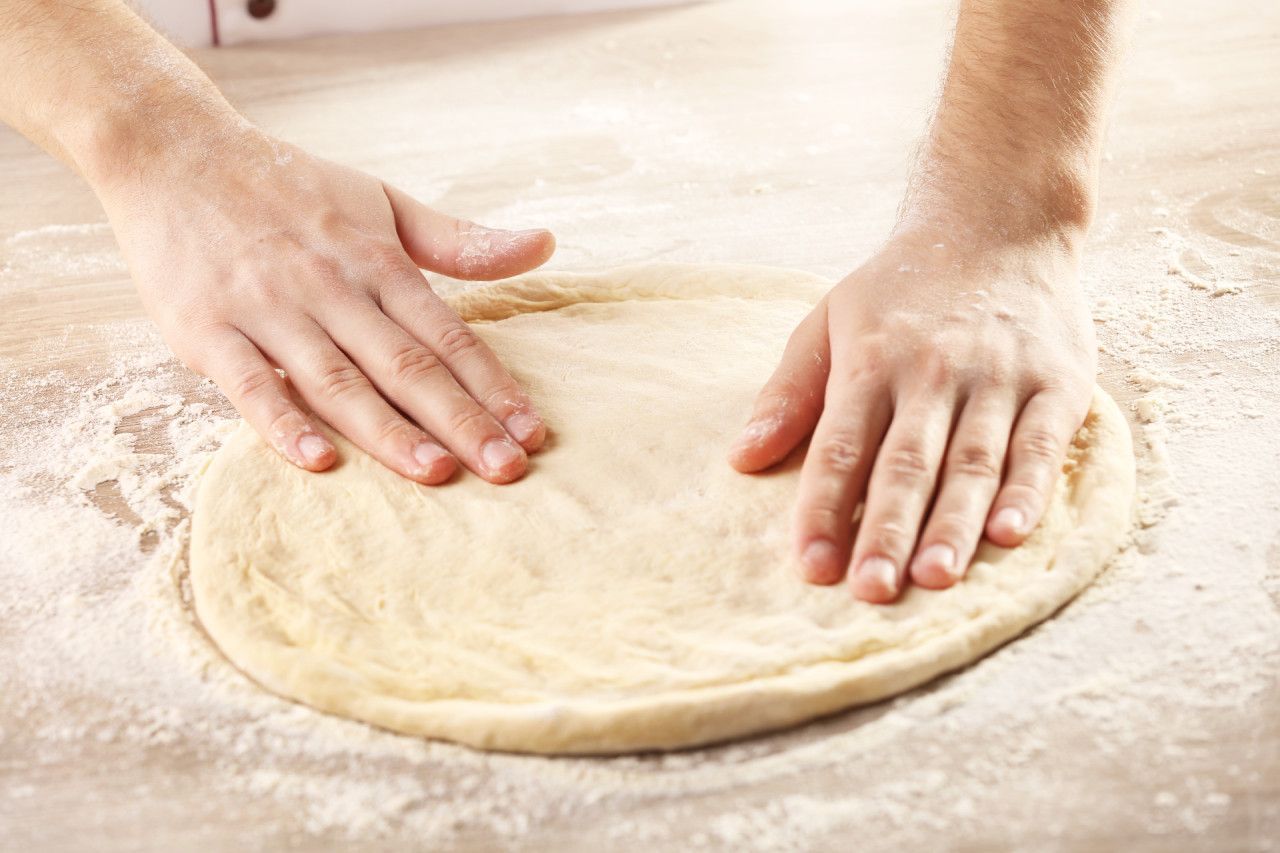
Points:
(634, 591)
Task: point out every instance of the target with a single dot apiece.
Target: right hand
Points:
(258, 255)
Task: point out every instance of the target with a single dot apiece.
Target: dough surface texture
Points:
(633, 592)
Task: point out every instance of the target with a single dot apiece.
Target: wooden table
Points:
(1145, 716)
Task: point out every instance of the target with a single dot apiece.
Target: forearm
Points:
(1016, 139)
(94, 85)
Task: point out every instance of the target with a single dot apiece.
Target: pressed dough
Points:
(633, 592)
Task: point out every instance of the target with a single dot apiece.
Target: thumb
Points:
(462, 249)
(788, 407)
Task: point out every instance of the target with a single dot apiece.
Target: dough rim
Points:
(686, 717)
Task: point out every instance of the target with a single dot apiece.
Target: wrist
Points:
(1050, 200)
(149, 136)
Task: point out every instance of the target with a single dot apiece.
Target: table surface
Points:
(1146, 715)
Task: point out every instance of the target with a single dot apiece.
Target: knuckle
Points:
(457, 340)
(340, 380)
(391, 293)
(331, 220)
(841, 454)
(504, 400)
(392, 430)
(975, 460)
(935, 369)
(1065, 379)
(265, 296)
(321, 269)
(1070, 395)
(254, 385)
(870, 363)
(1040, 445)
(907, 465)
(891, 537)
(466, 419)
(997, 374)
(413, 363)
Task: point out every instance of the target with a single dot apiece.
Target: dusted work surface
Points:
(1144, 716)
(638, 593)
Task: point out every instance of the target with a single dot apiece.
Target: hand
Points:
(258, 255)
(942, 384)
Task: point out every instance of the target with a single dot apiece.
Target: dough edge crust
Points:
(687, 717)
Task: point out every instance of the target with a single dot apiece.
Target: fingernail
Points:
(940, 556)
(1011, 518)
(313, 448)
(818, 561)
(427, 454)
(522, 426)
(881, 573)
(499, 454)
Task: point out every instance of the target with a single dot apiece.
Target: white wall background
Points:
(188, 22)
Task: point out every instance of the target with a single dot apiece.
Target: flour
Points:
(105, 619)
(1181, 260)
(1150, 702)
(58, 251)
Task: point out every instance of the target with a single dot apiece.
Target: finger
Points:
(899, 491)
(462, 249)
(790, 403)
(1036, 450)
(834, 475)
(970, 478)
(413, 306)
(419, 383)
(338, 391)
(262, 398)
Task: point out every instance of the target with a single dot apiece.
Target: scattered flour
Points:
(101, 658)
(58, 252)
(1183, 259)
(1150, 700)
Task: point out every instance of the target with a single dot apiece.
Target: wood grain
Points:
(752, 132)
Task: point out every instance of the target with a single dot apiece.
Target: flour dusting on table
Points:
(706, 133)
(97, 616)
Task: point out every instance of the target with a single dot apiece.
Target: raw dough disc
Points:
(633, 592)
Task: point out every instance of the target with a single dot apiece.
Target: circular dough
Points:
(633, 592)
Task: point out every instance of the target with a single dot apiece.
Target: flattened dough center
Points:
(633, 592)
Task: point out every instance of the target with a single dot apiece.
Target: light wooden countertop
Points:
(1138, 719)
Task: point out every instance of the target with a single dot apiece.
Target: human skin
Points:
(251, 254)
(957, 360)
(942, 381)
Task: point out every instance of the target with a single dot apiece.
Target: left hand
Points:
(942, 383)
